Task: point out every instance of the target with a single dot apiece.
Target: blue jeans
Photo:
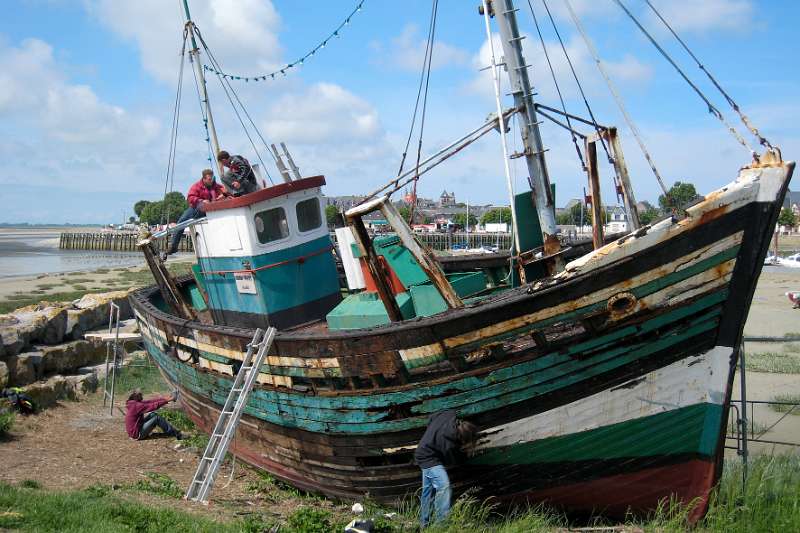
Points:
(436, 491)
(189, 214)
(150, 421)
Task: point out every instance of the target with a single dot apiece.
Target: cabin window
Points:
(308, 214)
(271, 225)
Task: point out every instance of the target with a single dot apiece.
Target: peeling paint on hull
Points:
(654, 317)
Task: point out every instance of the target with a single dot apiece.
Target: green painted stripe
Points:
(641, 291)
(475, 389)
(691, 429)
(326, 420)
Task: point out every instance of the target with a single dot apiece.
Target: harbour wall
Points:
(117, 241)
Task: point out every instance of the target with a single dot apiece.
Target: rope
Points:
(577, 81)
(169, 178)
(439, 157)
(734, 105)
(228, 89)
(297, 63)
(711, 108)
(617, 98)
(501, 122)
(211, 154)
(558, 89)
(431, 35)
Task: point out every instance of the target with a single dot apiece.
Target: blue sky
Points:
(87, 89)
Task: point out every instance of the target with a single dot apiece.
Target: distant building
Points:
(447, 199)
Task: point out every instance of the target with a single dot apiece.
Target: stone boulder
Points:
(91, 311)
(3, 375)
(70, 356)
(41, 323)
(47, 393)
(24, 368)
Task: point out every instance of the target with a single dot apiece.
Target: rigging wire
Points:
(431, 36)
(502, 124)
(558, 88)
(711, 108)
(205, 123)
(617, 98)
(169, 178)
(419, 91)
(577, 81)
(228, 89)
(297, 63)
(734, 105)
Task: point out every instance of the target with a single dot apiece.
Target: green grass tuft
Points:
(311, 520)
(138, 375)
(95, 511)
(7, 418)
(773, 362)
(30, 484)
(160, 484)
(792, 398)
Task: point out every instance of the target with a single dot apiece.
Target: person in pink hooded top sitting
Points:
(141, 417)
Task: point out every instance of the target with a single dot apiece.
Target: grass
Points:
(159, 484)
(791, 398)
(46, 286)
(138, 375)
(192, 437)
(15, 301)
(773, 362)
(7, 418)
(94, 510)
(767, 502)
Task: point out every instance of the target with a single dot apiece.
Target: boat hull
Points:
(604, 389)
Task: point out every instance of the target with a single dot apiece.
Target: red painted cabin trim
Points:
(268, 193)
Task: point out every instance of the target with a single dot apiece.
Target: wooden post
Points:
(622, 171)
(375, 267)
(594, 187)
(165, 282)
(422, 255)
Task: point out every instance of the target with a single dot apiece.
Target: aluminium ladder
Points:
(229, 417)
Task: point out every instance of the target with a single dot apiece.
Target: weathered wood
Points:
(423, 256)
(379, 274)
(594, 186)
(165, 282)
(621, 168)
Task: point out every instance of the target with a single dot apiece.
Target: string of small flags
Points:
(282, 71)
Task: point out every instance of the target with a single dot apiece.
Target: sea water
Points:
(31, 251)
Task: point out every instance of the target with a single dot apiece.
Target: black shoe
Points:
(164, 256)
(178, 435)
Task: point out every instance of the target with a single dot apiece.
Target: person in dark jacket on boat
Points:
(442, 445)
(201, 193)
(239, 179)
(141, 417)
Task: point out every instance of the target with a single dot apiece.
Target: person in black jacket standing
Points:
(440, 446)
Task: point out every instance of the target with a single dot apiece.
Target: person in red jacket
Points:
(201, 193)
(141, 418)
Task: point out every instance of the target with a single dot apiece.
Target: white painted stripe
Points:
(699, 379)
(598, 296)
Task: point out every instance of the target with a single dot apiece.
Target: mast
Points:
(194, 57)
(529, 127)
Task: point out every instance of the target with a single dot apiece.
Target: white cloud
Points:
(627, 70)
(708, 15)
(67, 132)
(242, 34)
(407, 51)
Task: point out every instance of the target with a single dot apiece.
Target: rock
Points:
(83, 383)
(91, 311)
(44, 323)
(47, 393)
(3, 375)
(24, 368)
(70, 356)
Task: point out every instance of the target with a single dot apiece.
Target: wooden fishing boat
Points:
(602, 386)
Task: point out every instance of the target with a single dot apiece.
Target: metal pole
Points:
(742, 383)
(529, 127)
(194, 57)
